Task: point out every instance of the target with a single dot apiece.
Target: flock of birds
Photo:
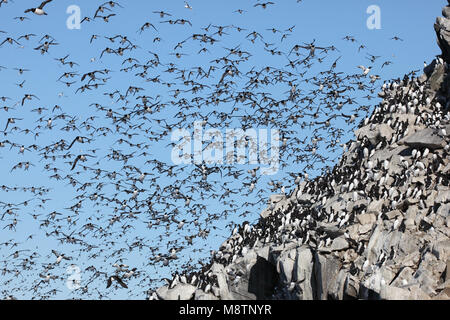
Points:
(133, 216)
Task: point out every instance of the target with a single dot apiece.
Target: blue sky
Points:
(328, 22)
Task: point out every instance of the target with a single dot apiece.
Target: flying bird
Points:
(364, 69)
(117, 279)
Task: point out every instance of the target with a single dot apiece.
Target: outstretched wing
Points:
(44, 3)
(108, 283)
(75, 162)
(123, 284)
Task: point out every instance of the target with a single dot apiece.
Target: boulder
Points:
(389, 292)
(303, 272)
(386, 238)
(285, 264)
(201, 295)
(426, 138)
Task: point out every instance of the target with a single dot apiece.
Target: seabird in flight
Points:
(39, 10)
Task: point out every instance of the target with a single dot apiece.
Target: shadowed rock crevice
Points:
(263, 279)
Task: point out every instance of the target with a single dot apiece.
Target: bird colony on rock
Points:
(89, 199)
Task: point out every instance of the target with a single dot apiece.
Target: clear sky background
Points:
(326, 21)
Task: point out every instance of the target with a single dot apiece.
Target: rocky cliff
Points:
(375, 227)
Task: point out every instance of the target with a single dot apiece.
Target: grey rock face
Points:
(304, 273)
(326, 274)
(179, 292)
(446, 12)
(201, 295)
(442, 28)
(437, 77)
(375, 134)
(339, 244)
